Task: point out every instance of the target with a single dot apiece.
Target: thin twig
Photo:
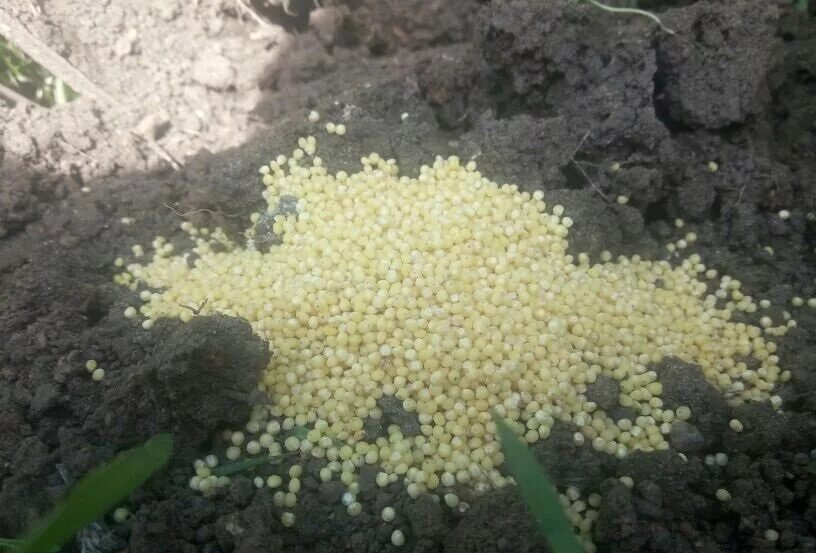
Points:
(77, 150)
(158, 149)
(739, 196)
(594, 186)
(632, 11)
(196, 310)
(580, 143)
(577, 164)
(197, 211)
(251, 12)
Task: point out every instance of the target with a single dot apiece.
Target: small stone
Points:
(326, 22)
(605, 392)
(426, 517)
(168, 11)
(153, 126)
(383, 500)
(395, 414)
(686, 437)
(374, 429)
(332, 491)
(368, 475)
(213, 71)
(125, 44)
(46, 396)
(242, 491)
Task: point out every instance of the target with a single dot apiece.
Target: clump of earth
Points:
(642, 137)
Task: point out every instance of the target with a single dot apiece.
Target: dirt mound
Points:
(626, 126)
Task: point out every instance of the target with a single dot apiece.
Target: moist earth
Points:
(714, 124)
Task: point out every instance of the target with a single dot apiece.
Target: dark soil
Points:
(546, 94)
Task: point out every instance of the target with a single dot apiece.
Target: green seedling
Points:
(299, 432)
(93, 496)
(537, 491)
(246, 464)
(229, 469)
(23, 75)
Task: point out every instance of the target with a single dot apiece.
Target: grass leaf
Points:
(97, 493)
(299, 432)
(537, 491)
(240, 466)
(10, 544)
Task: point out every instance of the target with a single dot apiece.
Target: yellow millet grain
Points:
(456, 295)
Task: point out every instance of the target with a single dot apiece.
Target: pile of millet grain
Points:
(455, 295)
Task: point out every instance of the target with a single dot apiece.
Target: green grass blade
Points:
(97, 493)
(10, 544)
(801, 5)
(537, 491)
(240, 466)
(16, 545)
